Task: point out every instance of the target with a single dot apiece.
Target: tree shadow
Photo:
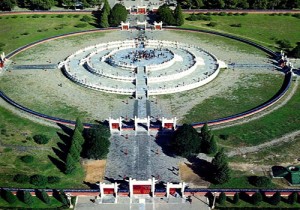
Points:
(163, 141)
(38, 194)
(59, 164)
(65, 138)
(202, 168)
(60, 154)
(91, 185)
(65, 129)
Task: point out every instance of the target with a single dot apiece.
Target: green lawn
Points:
(247, 95)
(19, 30)
(278, 123)
(262, 28)
(16, 141)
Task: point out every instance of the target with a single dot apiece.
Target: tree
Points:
(70, 165)
(296, 51)
(74, 151)
(9, 196)
(21, 178)
(104, 20)
(106, 8)
(165, 15)
(185, 141)
(41, 139)
(27, 198)
(236, 198)
(222, 198)
(118, 14)
(212, 146)
(230, 4)
(197, 4)
(275, 199)
(79, 124)
(256, 198)
(27, 158)
(38, 180)
(221, 170)
(41, 4)
(260, 181)
(45, 197)
(7, 5)
(243, 4)
(178, 16)
(63, 198)
(260, 4)
(293, 198)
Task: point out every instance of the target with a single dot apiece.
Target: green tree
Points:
(236, 198)
(45, 197)
(70, 166)
(79, 124)
(260, 181)
(63, 198)
(9, 196)
(27, 198)
(221, 170)
(41, 139)
(293, 198)
(106, 8)
(38, 180)
(296, 51)
(74, 152)
(243, 4)
(230, 4)
(222, 198)
(41, 4)
(7, 5)
(275, 199)
(104, 20)
(197, 4)
(212, 146)
(165, 15)
(178, 15)
(117, 15)
(21, 178)
(260, 4)
(185, 141)
(257, 198)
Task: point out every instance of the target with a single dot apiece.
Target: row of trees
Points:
(187, 142)
(47, 4)
(27, 198)
(240, 4)
(112, 17)
(168, 17)
(258, 197)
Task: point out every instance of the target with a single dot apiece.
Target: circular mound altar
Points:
(151, 66)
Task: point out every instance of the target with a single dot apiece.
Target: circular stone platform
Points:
(157, 66)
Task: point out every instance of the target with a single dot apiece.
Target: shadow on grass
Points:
(59, 164)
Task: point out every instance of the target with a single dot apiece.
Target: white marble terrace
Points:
(172, 67)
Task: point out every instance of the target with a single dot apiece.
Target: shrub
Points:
(14, 16)
(3, 130)
(244, 13)
(60, 16)
(287, 14)
(38, 180)
(76, 16)
(222, 198)
(293, 198)
(9, 196)
(275, 199)
(41, 139)
(260, 181)
(80, 25)
(27, 198)
(236, 198)
(236, 25)
(284, 43)
(296, 15)
(25, 33)
(21, 178)
(86, 18)
(53, 179)
(212, 24)
(35, 16)
(236, 14)
(222, 14)
(27, 158)
(224, 136)
(256, 198)
(43, 16)
(28, 138)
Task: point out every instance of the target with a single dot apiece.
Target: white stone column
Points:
(116, 191)
(110, 124)
(101, 187)
(168, 189)
(175, 123)
(182, 189)
(162, 122)
(153, 186)
(130, 187)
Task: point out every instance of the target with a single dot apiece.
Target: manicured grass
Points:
(243, 204)
(276, 124)
(14, 145)
(262, 28)
(238, 181)
(248, 94)
(284, 153)
(18, 30)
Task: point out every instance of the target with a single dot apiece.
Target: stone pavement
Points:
(142, 202)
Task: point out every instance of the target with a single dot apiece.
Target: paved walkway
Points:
(142, 203)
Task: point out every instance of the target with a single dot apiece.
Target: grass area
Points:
(265, 29)
(238, 181)
(286, 154)
(14, 143)
(37, 203)
(248, 94)
(18, 30)
(276, 124)
(264, 204)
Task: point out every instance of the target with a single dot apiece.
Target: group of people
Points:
(138, 55)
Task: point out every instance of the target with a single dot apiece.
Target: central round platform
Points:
(157, 66)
